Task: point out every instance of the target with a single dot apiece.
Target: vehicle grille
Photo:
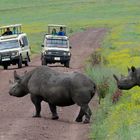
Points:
(5, 55)
(57, 53)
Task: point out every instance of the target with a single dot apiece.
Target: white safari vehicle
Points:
(55, 47)
(14, 46)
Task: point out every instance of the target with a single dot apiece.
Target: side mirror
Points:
(42, 45)
(22, 45)
(70, 47)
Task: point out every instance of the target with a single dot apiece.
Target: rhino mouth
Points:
(10, 93)
(15, 95)
(124, 87)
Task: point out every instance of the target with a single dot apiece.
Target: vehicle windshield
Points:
(9, 44)
(62, 43)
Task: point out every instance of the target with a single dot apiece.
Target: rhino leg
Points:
(54, 112)
(85, 110)
(80, 116)
(88, 114)
(37, 102)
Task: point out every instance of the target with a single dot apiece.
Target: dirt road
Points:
(16, 122)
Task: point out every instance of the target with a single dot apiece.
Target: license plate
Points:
(57, 58)
(5, 59)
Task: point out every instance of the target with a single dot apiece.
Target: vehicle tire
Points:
(67, 64)
(43, 61)
(27, 60)
(5, 67)
(26, 63)
(20, 62)
(28, 57)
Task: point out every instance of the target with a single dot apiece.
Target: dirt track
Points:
(16, 122)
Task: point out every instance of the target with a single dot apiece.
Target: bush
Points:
(116, 96)
(104, 80)
(95, 58)
(103, 88)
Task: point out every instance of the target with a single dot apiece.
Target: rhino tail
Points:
(98, 94)
(94, 90)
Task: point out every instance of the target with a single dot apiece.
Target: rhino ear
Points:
(133, 69)
(128, 69)
(16, 76)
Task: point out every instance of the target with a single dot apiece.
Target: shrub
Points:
(95, 58)
(104, 80)
(116, 96)
(103, 88)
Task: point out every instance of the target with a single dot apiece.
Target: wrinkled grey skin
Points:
(127, 82)
(57, 89)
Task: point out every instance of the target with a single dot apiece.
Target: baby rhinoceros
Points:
(57, 89)
(129, 81)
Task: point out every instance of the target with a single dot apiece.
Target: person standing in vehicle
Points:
(8, 32)
(54, 31)
(61, 32)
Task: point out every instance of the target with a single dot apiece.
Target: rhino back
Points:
(40, 78)
(61, 88)
(50, 85)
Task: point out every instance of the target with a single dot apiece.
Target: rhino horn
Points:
(115, 77)
(16, 76)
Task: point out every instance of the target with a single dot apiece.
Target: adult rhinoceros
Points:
(127, 82)
(58, 89)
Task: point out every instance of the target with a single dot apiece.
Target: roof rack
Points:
(15, 28)
(11, 26)
(57, 27)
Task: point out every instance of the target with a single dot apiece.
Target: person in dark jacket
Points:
(8, 32)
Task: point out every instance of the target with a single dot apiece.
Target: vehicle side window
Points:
(25, 41)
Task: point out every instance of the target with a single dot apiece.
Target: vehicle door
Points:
(24, 46)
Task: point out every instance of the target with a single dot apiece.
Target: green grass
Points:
(120, 48)
(77, 14)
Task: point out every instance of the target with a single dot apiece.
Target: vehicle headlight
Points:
(14, 53)
(69, 54)
(64, 53)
